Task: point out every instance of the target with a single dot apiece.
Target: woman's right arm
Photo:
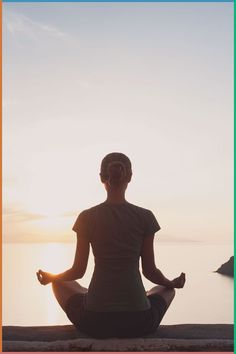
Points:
(76, 271)
(150, 270)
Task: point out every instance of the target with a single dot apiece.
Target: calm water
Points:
(206, 298)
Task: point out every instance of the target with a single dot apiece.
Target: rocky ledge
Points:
(179, 338)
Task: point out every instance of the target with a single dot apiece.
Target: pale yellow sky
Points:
(154, 81)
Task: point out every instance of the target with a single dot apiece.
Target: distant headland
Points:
(227, 268)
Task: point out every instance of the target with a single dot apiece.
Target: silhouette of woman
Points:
(116, 303)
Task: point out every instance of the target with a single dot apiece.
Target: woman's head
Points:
(116, 170)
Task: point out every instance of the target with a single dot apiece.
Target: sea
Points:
(208, 297)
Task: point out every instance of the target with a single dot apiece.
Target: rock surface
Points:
(189, 337)
(227, 268)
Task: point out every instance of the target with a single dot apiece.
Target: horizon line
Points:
(159, 241)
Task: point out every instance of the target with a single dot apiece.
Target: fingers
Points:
(40, 275)
(182, 279)
(179, 281)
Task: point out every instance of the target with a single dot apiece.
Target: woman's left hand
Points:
(44, 278)
(179, 282)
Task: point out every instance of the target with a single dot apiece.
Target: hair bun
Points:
(116, 169)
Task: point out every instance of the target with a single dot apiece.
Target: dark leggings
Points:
(115, 324)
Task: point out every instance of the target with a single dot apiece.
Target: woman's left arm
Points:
(76, 271)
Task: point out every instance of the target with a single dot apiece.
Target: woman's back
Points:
(116, 233)
(116, 304)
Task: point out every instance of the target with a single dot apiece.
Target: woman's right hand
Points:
(44, 277)
(179, 282)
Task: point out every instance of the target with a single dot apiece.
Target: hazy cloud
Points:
(19, 25)
(69, 214)
(14, 215)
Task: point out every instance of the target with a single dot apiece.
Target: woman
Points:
(115, 304)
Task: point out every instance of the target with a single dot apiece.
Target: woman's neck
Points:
(115, 197)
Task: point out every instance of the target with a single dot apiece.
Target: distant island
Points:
(227, 268)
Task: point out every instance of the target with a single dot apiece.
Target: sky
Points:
(151, 80)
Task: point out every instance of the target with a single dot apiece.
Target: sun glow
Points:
(56, 258)
(172, 118)
(54, 223)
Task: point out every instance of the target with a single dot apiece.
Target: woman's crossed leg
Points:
(64, 290)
